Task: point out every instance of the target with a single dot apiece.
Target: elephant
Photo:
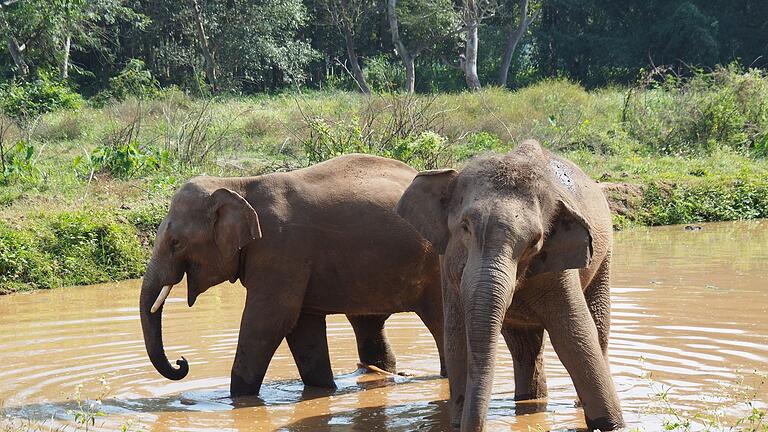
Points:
(525, 240)
(307, 243)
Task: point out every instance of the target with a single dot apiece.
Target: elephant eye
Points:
(465, 226)
(175, 244)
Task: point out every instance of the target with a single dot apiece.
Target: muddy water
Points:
(690, 313)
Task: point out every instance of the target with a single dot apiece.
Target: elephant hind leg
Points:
(309, 345)
(372, 345)
(431, 315)
(526, 344)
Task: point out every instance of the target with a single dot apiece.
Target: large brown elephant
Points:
(526, 241)
(308, 243)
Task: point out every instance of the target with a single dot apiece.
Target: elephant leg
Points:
(563, 310)
(372, 345)
(431, 314)
(526, 344)
(598, 295)
(309, 345)
(266, 321)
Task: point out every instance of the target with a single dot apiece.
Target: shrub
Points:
(401, 126)
(725, 108)
(68, 249)
(31, 99)
(19, 163)
(382, 74)
(70, 126)
(128, 160)
(667, 205)
(475, 144)
(135, 80)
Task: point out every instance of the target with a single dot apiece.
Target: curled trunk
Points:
(151, 325)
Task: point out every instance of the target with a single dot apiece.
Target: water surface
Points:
(690, 314)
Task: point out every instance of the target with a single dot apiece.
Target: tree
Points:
(349, 16)
(51, 29)
(425, 23)
(514, 35)
(202, 40)
(474, 11)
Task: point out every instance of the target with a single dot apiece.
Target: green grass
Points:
(88, 187)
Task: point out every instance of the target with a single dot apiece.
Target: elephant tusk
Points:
(161, 298)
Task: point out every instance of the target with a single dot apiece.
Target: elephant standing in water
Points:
(311, 242)
(526, 241)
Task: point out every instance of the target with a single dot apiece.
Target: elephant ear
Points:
(424, 205)
(567, 244)
(235, 222)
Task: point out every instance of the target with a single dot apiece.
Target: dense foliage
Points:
(263, 45)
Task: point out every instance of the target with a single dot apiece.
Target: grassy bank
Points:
(83, 190)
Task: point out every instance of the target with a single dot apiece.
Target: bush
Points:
(475, 144)
(68, 249)
(400, 126)
(19, 163)
(127, 160)
(28, 100)
(135, 80)
(382, 74)
(725, 108)
(69, 126)
(667, 205)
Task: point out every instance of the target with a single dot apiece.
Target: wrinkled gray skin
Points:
(526, 241)
(308, 243)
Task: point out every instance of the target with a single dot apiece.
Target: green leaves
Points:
(128, 160)
(24, 101)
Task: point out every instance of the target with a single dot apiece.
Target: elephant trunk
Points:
(151, 325)
(488, 296)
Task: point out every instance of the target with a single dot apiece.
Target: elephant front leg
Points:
(262, 329)
(526, 344)
(573, 334)
(309, 345)
(372, 345)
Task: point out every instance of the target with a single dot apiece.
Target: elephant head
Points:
(501, 219)
(207, 226)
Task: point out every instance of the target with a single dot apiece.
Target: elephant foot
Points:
(605, 424)
(534, 390)
(239, 387)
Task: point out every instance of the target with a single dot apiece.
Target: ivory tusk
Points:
(161, 298)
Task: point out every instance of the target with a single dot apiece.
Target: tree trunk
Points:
(402, 50)
(65, 61)
(13, 47)
(470, 53)
(352, 55)
(210, 65)
(514, 38)
(410, 74)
